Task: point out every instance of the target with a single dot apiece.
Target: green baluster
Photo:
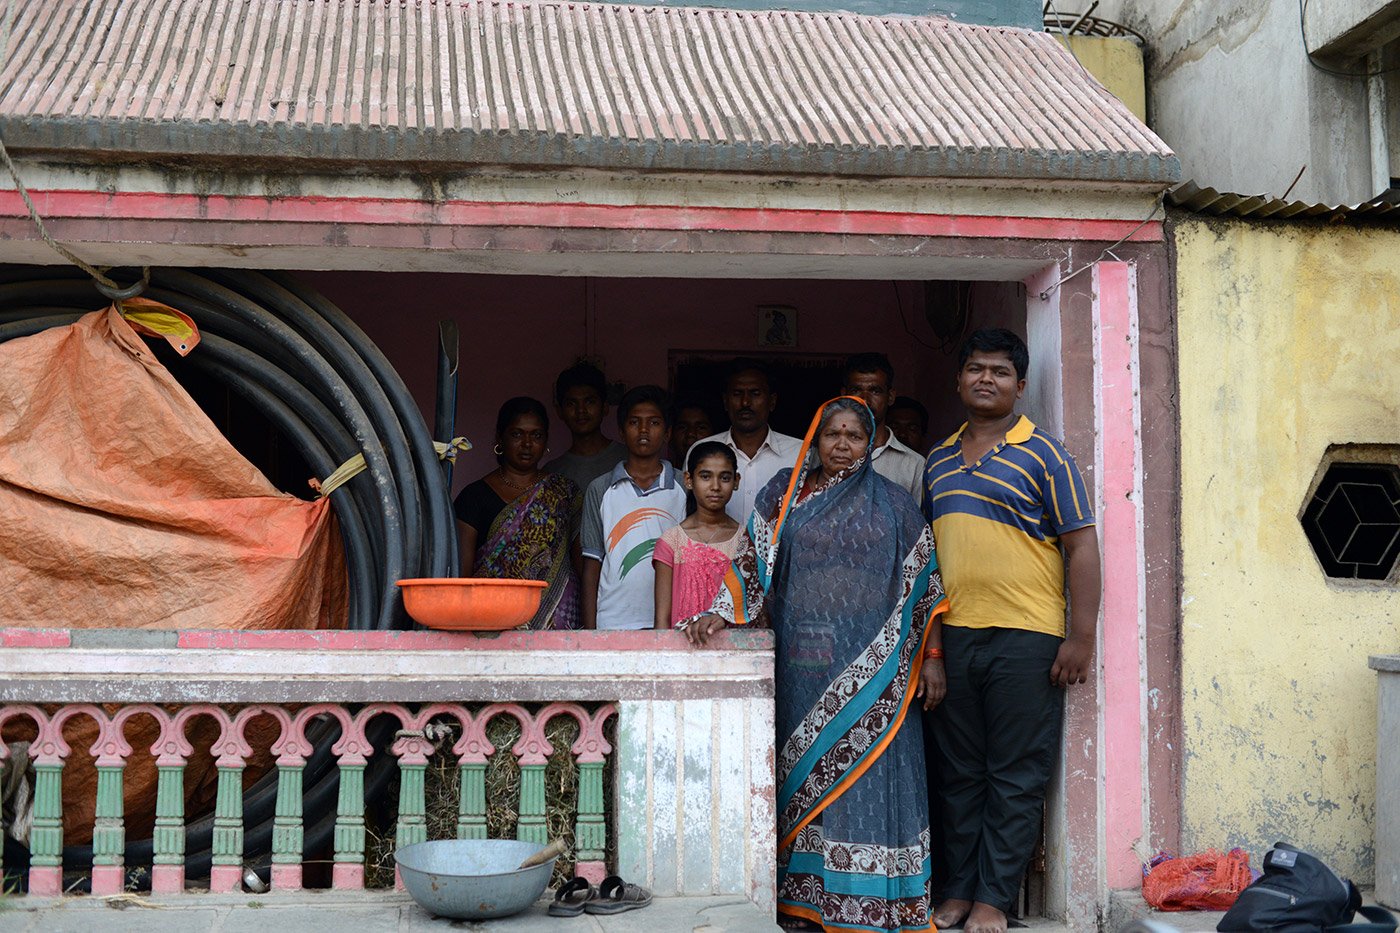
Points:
(108, 832)
(590, 832)
(471, 803)
(168, 839)
(46, 835)
(349, 871)
(531, 827)
(413, 812)
(227, 846)
(287, 833)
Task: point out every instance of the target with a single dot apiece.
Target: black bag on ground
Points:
(1298, 893)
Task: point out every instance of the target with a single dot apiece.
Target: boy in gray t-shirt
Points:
(580, 399)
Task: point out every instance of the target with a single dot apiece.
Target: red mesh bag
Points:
(1206, 881)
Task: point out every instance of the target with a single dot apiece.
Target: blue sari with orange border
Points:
(848, 579)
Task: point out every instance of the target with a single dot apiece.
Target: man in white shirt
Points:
(749, 399)
(870, 376)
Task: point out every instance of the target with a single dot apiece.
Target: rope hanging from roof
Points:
(105, 284)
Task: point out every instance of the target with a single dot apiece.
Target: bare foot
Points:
(951, 912)
(985, 919)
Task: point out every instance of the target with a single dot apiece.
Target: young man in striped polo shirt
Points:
(1012, 521)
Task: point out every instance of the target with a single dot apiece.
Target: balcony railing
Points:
(411, 746)
(689, 821)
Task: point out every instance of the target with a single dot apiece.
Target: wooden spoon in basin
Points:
(555, 849)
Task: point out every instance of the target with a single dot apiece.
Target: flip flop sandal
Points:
(616, 896)
(572, 897)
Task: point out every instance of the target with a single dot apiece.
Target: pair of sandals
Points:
(613, 896)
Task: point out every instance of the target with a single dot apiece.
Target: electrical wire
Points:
(899, 302)
(1108, 251)
(1069, 46)
(107, 285)
(1303, 31)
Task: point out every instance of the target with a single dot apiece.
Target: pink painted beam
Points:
(1121, 528)
(513, 641)
(34, 638)
(409, 213)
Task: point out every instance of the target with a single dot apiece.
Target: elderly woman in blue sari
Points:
(842, 563)
(519, 522)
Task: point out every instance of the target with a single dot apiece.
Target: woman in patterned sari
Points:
(518, 522)
(842, 562)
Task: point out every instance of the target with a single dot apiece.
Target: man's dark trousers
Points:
(998, 733)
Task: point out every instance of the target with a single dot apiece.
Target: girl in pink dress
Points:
(691, 558)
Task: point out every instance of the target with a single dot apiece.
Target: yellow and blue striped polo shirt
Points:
(997, 525)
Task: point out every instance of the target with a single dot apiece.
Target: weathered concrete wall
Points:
(1231, 91)
(1355, 26)
(1288, 338)
(704, 770)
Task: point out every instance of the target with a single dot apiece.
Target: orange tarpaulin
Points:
(123, 506)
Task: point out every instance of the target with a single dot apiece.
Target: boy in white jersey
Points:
(625, 511)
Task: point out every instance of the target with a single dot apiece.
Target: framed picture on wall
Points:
(777, 326)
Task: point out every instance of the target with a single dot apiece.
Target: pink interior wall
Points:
(518, 332)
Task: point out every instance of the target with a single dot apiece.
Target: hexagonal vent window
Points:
(1353, 520)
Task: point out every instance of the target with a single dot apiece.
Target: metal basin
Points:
(472, 879)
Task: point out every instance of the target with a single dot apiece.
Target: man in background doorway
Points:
(908, 419)
(870, 376)
(690, 423)
(581, 401)
(1013, 521)
(749, 399)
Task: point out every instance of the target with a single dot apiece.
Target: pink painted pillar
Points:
(1118, 413)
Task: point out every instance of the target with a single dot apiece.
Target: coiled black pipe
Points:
(324, 386)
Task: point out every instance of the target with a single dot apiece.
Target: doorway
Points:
(802, 381)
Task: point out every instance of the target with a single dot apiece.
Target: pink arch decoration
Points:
(590, 747)
(35, 716)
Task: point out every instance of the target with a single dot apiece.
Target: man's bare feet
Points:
(985, 919)
(951, 912)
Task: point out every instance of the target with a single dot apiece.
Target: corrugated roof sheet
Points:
(559, 83)
(1192, 197)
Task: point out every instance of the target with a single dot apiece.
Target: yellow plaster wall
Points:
(1116, 64)
(1289, 340)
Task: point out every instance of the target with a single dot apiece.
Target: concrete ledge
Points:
(349, 667)
(1128, 907)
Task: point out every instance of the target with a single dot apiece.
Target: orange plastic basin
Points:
(463, 604)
